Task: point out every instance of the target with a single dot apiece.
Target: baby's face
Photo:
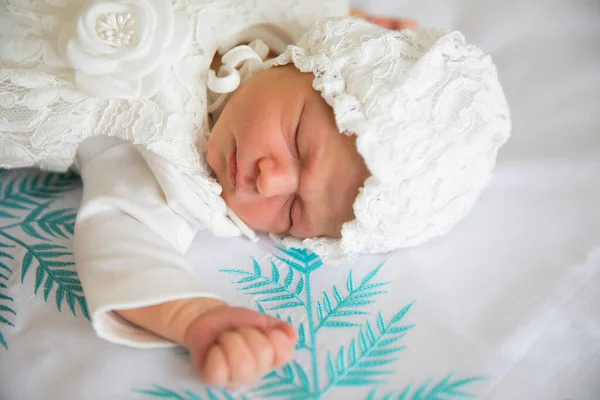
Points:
(283, 165)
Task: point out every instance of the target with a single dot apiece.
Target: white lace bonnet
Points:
(429, 114)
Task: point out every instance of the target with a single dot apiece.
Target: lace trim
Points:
(440, 93)
(241, 62)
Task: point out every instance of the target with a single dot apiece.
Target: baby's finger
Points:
(215, 369)
(359, 13)
(241, 361)
(407, 24)
(261, 347)
(217, 321)
(284, 347)
(275, 323)
(288, 329)
(387, 23)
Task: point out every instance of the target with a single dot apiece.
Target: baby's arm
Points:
(129, 248)
(228, 345)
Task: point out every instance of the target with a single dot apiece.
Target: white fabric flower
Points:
(124, 49)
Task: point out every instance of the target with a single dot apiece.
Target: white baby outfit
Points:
(139, 125)
(427, 108)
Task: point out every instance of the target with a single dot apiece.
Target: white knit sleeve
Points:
(129, 243)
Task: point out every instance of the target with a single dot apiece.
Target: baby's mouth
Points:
(233, 168)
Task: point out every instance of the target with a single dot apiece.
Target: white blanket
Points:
(505, 307)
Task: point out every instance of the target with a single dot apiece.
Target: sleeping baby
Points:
(329, 132)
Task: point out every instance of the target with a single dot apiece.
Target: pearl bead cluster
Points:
(117, 29)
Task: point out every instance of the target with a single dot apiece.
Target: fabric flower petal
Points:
(129, 44)
(152, 83)
(182, 34)
(86, 63)
(165, 10)
(86, 27)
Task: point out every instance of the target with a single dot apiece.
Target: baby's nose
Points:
(276, 179)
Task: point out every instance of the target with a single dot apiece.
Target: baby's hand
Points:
(388, 23)
(233, 346)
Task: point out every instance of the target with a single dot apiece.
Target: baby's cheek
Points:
(260, 215)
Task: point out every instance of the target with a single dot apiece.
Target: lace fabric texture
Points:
(428, 110)
(45, 110)
(429, 114)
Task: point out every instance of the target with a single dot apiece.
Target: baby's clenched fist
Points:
(233, 346)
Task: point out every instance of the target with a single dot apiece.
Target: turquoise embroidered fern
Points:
(366, 361)
(164, 393)
(26, 210)
(31, 226)
(446, 389)
(6, 310)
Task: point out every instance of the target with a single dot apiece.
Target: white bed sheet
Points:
(507, 306)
